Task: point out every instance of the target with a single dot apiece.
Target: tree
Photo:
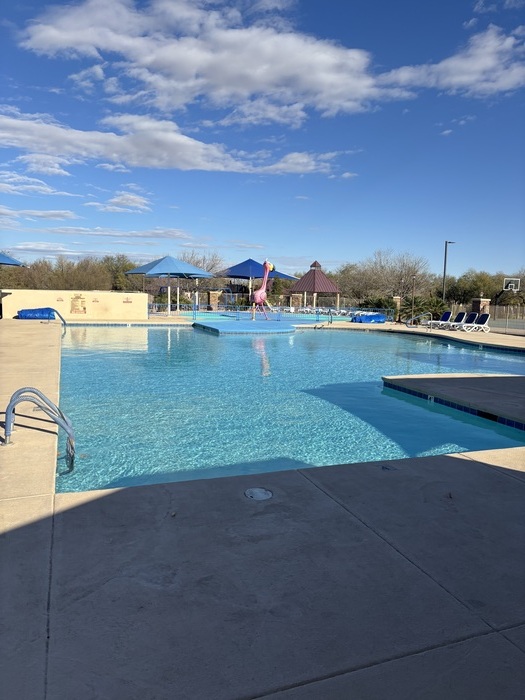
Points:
(473, 284)
(117, 266)
(385, 274)
(422, 305)
(90, 273)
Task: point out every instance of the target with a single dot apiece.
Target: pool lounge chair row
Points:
(462, 322)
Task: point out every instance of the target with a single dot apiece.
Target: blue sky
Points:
(293, 130)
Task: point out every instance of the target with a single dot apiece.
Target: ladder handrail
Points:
(41, 395)
(50, 409)
(426, 313)
(60, 317)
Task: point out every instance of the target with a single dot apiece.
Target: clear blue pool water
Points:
(154, 405)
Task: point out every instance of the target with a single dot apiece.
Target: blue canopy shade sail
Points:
(250, 270)
(8, 260)
(170, 267)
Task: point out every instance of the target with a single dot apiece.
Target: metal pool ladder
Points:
(35, 396)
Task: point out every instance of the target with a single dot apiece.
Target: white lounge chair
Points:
(445, 318)
(471, 318)
(460, 318)
(479, 325)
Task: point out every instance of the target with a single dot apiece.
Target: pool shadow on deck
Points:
(348, 582)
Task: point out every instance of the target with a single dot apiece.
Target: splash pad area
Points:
(244, 324)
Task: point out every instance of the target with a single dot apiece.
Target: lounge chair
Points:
(460, 318)
(479, 325)
(445, 318)
(471, 318)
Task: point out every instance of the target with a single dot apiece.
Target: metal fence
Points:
(503, 319)
(277, 313)
(508, 319)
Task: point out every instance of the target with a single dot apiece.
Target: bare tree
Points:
(209, 261)
(385, 274)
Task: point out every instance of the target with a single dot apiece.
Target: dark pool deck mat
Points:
(244, 327)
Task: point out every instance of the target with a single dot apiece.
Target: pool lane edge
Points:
(464, 393)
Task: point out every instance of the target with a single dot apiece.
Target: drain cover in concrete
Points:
(258, 494)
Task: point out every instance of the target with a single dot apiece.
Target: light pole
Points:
(413, 295)
(447, 243)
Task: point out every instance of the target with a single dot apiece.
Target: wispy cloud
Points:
(122, 202)
(98, 232)
(141, 141)
(36, 214)
(13, 183)
(490, 64)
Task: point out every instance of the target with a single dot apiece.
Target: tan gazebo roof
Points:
(315, 282)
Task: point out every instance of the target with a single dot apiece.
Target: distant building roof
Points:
(315, 281)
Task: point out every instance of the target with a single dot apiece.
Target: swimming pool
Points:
(153, 405)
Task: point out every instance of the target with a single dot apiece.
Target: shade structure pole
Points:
(178, 298)
(169, 296)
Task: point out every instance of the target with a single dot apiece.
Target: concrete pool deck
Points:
(402, 579)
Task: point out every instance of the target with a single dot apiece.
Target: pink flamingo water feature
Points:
(259, 295)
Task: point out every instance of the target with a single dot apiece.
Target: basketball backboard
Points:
(511, 284)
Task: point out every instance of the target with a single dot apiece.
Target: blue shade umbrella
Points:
(8, 260)
(171, 268)
(250, 270)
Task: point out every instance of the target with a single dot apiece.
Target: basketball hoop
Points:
(511, 284)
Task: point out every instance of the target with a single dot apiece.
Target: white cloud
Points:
(485, 6)
(50, 250)
(171, 54)
(86, 79)
(446, 132)
(160, 233)
(16, 184)
(122, 202)
(46, 164)
(114, 167)
(491, 63)
(36, 214)
(298, 163)
(142, 142)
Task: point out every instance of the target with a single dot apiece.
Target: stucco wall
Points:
(78, 305)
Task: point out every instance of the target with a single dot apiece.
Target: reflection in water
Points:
(260, 348)
(107, 338)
